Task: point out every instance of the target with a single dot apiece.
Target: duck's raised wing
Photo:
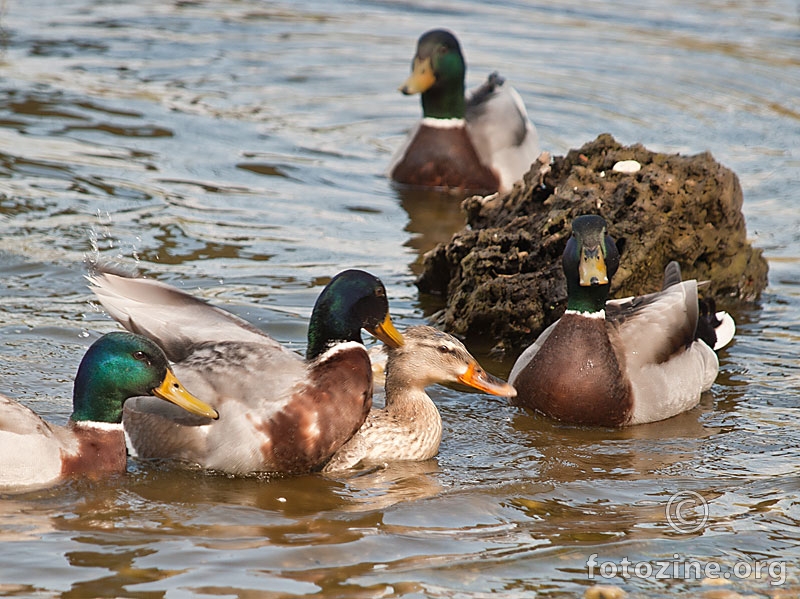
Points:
(175, 320)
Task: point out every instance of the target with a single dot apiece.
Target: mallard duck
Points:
(278, 412)
(619, 362)
(410, 427)
(116, 367)
(483, 143)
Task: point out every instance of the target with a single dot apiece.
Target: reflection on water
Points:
(238, 150)
(382, 487)
(433, 218)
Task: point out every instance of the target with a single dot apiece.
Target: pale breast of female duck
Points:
(417, 427)
(410, 429)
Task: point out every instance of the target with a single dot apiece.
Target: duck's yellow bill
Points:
(386, 332)
(171, 390)
(478, 378)
(592, 269)
(421, 78)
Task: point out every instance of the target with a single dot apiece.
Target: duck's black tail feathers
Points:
(715, 329)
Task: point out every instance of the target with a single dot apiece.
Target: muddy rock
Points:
(501, 277)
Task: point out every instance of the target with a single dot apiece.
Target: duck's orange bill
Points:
(421, 78)
(477, 377)
(172, 391)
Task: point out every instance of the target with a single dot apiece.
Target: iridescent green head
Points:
(120, 365)
(437, 72)
(354, 299)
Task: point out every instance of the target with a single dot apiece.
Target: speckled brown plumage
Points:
(410, 427)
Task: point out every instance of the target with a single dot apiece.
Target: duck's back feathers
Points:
(504, 137)
(17, 419)
(666, 389)
(672, 275)
(665, 359)
(656, 326)
(31, 447)
(500, 104)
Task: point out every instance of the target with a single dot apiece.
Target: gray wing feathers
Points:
(654, 327)
(175, 320)
(503, 136)
(20, 419)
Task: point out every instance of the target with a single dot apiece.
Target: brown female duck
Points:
(410, 426)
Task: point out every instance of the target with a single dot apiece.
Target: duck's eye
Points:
(444, 349)
(142, 357)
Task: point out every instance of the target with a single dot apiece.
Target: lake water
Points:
(238, 149)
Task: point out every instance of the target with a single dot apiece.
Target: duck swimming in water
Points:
(483, 143)
(619, 362)
(409, 427)
(116, 367)
(278, 411)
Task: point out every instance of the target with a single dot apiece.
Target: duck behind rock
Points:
(278, 412)
(483, 143)
(118, 366)
(410, 426)
(619, 362)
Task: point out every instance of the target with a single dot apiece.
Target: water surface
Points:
(237, 149)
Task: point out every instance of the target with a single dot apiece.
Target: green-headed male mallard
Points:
(409, 427)
(619, 362)
(483, 143)
(116, 367)
(278, 412)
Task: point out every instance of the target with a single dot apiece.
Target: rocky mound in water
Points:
(502, 278)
